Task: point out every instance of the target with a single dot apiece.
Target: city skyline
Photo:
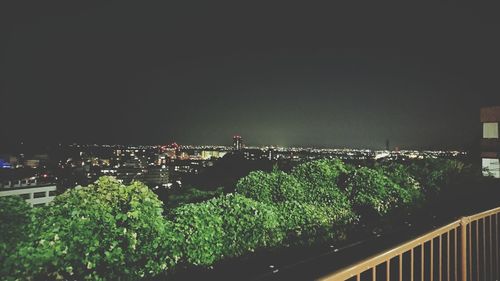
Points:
(42, 145)
(339, 77)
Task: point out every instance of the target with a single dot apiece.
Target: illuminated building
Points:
(171, 150)
(32, 163)
(34, 193)
(208, 154)
(155, 177)
(5, 165)
(490, 144)
(184, 156)
(237, 142)
(162, 159)
(253, 154)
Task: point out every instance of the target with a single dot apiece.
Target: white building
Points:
(35, 195)
(490, 142)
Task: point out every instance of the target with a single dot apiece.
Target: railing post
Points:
(463, 246)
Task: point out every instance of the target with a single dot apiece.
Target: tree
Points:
(320, 180)
(226, 226)
(373, 193)
(400, 175)
(192, 195)
(436, 175)
(201, 227)
(309, 204)
(273, 187)
(248, 224)
(15, 218)
(104, 231)
(307, 222)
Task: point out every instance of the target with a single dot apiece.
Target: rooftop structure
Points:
(35, 194)
(490, 142)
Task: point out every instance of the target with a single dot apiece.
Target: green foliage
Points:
(201, 226)
(373, 193)
(320, 180)
(310, 222)
(15, 218)
(226, 226)
(400, 174)
(109, 231)
(435, 175)
(192, 195)
(104, 231)
(247, 224)
(309, 203)
(273, 187)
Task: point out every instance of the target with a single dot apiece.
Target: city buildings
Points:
(490, 143)
(209, 154)
(34, 193)
(238, 143)
(155, 177)
(158, 166)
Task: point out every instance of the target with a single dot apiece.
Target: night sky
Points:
(350, 76)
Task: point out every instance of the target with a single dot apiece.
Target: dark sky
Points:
(284, 74)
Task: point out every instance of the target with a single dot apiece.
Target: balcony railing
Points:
(464, 250)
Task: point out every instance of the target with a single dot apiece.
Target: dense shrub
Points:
(401, 175)
(310, 205)
(435, 175)
(310, 222)
(226, 226)
(104, 231)
(320, 180)
(273, 187)
(113, 231)
(192, 195)
(247, 224)
(373, 193)
(15, 218)
(201, 226)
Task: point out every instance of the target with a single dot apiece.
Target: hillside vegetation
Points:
(112, 231)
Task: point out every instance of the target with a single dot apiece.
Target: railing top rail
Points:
(484, 214)
(377, 259)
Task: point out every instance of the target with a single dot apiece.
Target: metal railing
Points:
(464, 250)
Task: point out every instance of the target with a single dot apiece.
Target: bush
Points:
(326, 189)
(401, 176)
(226, 226)
(15, 218)
(306, 222)
(320, 180)
(104, 231)
(309, 203)
(273, 187)
(436, 175)
(373, 193)
(201, 227)
(248, 225)
(192, 195)
(113, 231)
